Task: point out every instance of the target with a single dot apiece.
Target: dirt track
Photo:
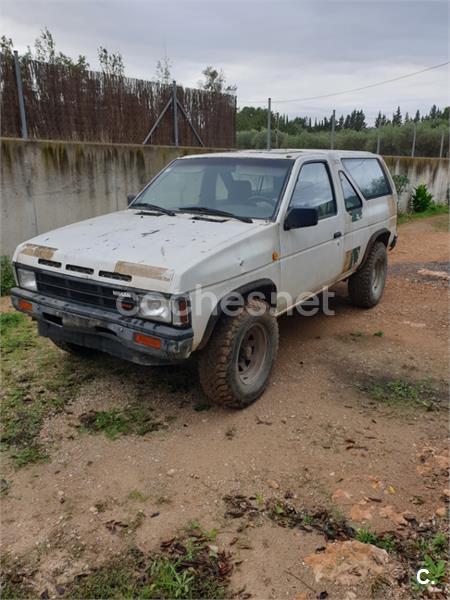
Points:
(321, 435)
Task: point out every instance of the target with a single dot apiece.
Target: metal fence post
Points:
(277, 130)
(413, 149)
(175, 113)
(269, 118)
(379, 137)
(333, 125)
(23, 118)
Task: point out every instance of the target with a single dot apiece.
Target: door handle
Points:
(338, 234)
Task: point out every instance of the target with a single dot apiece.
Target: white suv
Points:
(206, 257)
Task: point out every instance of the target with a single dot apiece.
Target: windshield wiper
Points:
(203, 210)
(164, 211)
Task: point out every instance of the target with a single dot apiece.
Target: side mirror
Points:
(301, 217)
(130, 198)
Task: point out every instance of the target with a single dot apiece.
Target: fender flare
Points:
(384, 233)
(243, 290)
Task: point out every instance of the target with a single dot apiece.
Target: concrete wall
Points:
(47, 184)
(433, 172)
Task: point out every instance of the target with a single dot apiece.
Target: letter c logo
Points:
(419, 576)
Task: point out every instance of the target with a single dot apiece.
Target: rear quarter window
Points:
(369, 176)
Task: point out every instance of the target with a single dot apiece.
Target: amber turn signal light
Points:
(147, 340)
(25, 305)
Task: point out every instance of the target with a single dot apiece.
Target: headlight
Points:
(154, 306)
(27, 279)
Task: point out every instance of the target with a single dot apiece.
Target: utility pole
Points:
(379, 135)
(175, 113)
(413, 149)
(333, 125)
(441, 149)
(269, 118)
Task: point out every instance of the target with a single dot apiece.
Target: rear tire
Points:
(74, 349)
(366, 286)
(235, 367)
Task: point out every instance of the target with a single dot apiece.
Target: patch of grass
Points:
(131, 419)
(25, 456)
(187, 566)
(259, 500)
(366, 536)
(401, 392)
(432, 211)
(378, 333)
(14, 584)
(137, 495)
(435, 546)
(6, 276)
(37, 384)
(439, 543)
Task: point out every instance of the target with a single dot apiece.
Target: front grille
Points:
(77, 290)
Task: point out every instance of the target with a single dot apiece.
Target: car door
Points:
(355, 222)
(312, 257)
(368, 200)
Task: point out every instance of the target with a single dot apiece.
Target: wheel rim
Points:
(252, 354)
(379, 273)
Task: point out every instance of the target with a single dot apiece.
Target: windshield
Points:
(245, 187)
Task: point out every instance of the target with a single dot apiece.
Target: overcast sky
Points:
(284, 49)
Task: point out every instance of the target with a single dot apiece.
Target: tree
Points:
(163, 71)
(381, 120)
(215, 81)
(417, 117)
(397, 117)
(111, 63)
(45, 51)
(6, 45)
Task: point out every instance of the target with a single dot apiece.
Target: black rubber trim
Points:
(393, 243)
(245, 289)
(372, 240)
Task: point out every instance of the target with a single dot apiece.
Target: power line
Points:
(366, 87)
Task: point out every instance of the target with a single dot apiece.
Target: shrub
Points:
(401, 182)
(421, 199)
(6, 275)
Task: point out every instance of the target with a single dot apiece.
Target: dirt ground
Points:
(354, 422)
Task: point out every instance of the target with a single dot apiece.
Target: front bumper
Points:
(112, 333)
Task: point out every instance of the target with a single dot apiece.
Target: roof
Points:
(285, 153)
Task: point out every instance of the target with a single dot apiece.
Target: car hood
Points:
(156, 251)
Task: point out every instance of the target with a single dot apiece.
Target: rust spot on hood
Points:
(147, 271)
(38, 251)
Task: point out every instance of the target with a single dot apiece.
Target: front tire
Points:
(366, 286)
(235, 366)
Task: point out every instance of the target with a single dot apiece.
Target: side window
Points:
(314, 190)
(351, 198)
(369, 176)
